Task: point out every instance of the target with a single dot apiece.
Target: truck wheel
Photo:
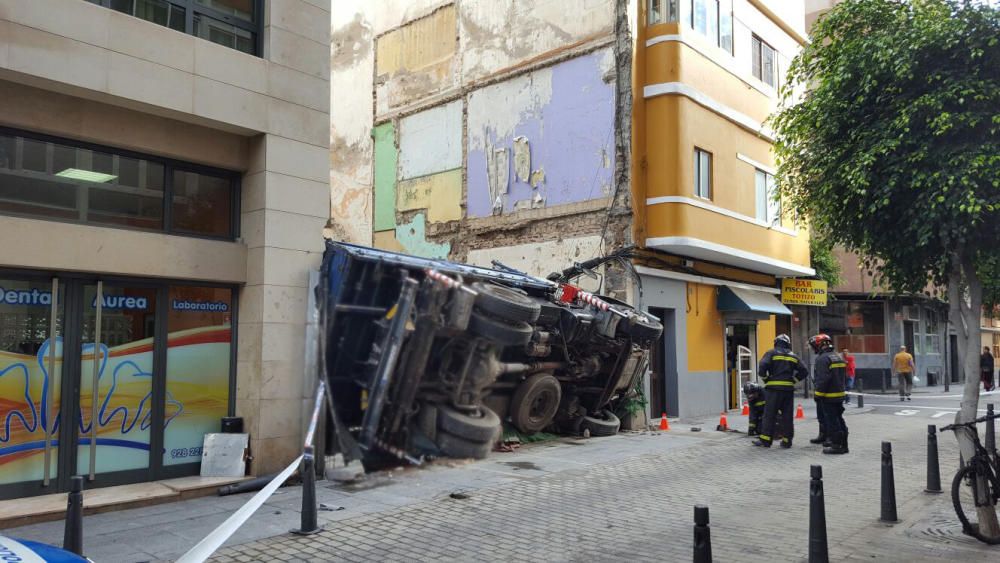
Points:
(505, 303)
(605, 423)
(503, 333)
(477, 428)
(535, 403)
(453, 446)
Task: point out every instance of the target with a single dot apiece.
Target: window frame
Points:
(169, 165)
(770, 203)
(757, 60)
(671, 12)
(721, 7)
(698, 152)
(192, 6)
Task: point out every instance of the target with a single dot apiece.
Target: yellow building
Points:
(705, 79)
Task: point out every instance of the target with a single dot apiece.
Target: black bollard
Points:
(933, 468)
(861, 401)
(702, 535)
(73, 531)
(991, 433)
(947, 380)
(818, 552)
(888, 486)
(308, 524)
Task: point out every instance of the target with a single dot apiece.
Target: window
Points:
(233, 23)
(858, 326)
(768, 204)
(199, 362)
(662, 11)
(932, 336)
(702, 173)
(764, 62)
(58, 179)
(714, 19)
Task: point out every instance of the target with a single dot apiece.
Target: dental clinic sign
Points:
(36, 298)
(804, 292)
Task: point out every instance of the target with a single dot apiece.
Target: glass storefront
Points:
(146, 366)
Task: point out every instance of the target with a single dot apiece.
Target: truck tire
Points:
(535, 403)
(453, 446)
(641, 326)
(503, 333)
(505, 303)
(479, 428)
(605, 423)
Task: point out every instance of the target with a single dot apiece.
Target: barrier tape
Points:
(207, 546)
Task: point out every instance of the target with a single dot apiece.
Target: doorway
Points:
(908, 328)
(741, 360)
(85, 386)
(663, 367)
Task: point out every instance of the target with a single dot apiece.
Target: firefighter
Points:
(755, 399)
(829, 380)
(780, 368)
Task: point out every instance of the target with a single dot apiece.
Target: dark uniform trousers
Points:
(831, 417)
(778, 413)
(756, 417)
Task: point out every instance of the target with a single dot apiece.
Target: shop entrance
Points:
(741, 360)
(85, 385)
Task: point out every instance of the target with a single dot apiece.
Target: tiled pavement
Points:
(627, 498)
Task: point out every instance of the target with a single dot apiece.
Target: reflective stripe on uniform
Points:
(834, 395)
(765, 438)
(780, 384)
(838, 365)
(785, 359)
(760, 404)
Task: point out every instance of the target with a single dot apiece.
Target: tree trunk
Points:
(966, 319)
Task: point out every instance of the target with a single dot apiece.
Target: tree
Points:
(823, 260)
(888, 143)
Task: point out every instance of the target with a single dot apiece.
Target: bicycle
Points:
(976, 485)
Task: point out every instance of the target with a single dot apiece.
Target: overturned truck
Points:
(428, 357)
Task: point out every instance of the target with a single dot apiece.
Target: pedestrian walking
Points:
(904, 368)
(986, 363)
(830, 380)
(846, 354)
(779, 368)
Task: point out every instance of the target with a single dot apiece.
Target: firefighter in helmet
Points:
(829, 380)
(780, 368)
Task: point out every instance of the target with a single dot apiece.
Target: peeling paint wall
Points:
(493, 128)
(416, 60)
(352, 64)
(499, 34)
(564, 116)
(539, 259)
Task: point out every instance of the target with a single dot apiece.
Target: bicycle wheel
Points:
(964, 491)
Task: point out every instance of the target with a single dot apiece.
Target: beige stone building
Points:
(164, 173)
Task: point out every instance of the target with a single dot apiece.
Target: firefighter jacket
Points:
(780, 368)
(830, 376)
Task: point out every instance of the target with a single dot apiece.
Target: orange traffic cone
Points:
(799, 413)
(723, 424)
(664, 425)
(746, 409)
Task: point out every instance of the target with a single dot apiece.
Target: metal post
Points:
(947, 377)
(883, 381)
(818, 550)
(860, 388)
(49, 421)
(308, 523)
(888, 486)
(991, 436)
(73, 531)
(94, 386)
(933, 468)
(702, 535)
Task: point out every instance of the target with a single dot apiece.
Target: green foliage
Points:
(823, 261)
(893, 150)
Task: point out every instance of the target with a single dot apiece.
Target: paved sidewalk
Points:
(626, 498)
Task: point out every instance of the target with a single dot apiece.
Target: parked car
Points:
(427, 357)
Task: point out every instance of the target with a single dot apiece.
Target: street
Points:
(624, 498)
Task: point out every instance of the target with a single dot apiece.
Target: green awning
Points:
(741, 300)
